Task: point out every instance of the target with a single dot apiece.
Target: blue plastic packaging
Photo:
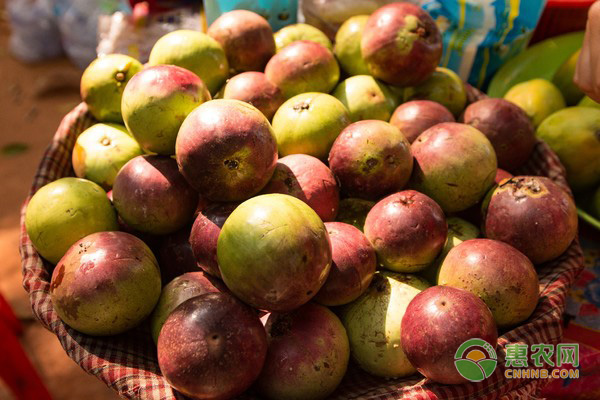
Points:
(278, 13)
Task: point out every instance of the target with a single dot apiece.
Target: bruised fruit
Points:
(532, 214)
(347, 45)
(309, 124)
(507, 127)
(212, 347)
(64, 211)
(437, 321)
(246, 37)
(105, 284)
(103, 82)
(353, 264)
(416, 116)
(177, 291)
(365, 98)
(152, 196)
(354, 211)
(308, 179)
(101, 150)
(301, 67)
(254, 88)
(444, 87)
(538, 98)
(374, 324)
(155, 103)
(292, 33)
(307, 357)
(407, 229)
(274, 252)
(226, 150)
(205, 233)
(194, 51)
(371, 159)
(498, 273)
(455, 165)
(401, 44)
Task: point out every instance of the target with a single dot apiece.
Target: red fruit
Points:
(256, 89)
(502, 175)
(415, 117)
(175, 255)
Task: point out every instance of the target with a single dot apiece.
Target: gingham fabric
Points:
(127, 363)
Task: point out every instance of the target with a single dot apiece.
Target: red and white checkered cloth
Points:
(127, 363)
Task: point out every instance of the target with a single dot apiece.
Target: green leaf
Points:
(469, 370)
(488, 366)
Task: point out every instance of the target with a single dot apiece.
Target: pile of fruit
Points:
(295, 229)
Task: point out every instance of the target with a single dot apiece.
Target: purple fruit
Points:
(415, 117)
(175, 255)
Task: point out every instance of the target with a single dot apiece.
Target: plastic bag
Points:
(278, 13)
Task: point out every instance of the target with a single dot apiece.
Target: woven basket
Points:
(127, 363)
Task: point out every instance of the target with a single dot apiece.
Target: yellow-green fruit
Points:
(538, 98)
(100, 152)
(64, 211)
(574, 135)
(444, 87)
(366, 98)
(195, 51)
(588, 102)
(347, 45)
(295, 32)
(103, 82)
(563, 79)
(373, 323)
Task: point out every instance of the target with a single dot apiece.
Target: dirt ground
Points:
(33, 99)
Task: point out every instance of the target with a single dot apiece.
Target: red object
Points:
(561, 16)
(16, 371)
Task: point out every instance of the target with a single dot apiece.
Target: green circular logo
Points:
(475, 360)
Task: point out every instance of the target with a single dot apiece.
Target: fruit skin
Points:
(246, 37)
(301, 67)
(101, 150)
(365, 98)
(532, 214)
(308, 179)
(103, 82)
(354, 211)
(563, 79)
(309, 124)
(212, 347)
(407, 229)
(401, 44)
(155, 103)
(353, 264)
(371, 159)
(416, 116)
(293, 33)
(254, 88)
(226, 150)
(437, 321)
(574, 135)
(64, 211)
(508, 128)
(194, 51)
(178, 290)
(588, 102)
(105, 284)
(499, 274)
(175, 255)
(444, 87)
(596, 203)
(373, 324)
(205, 233)
(152, 196)
(455, 164)
(347, 45)
(274, 252)
(539, 98)
(308, 354)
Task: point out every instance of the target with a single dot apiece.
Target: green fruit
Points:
(100, 152)
(64, 211)
(563, 79)
(574, 135)
(373, 323)
(596, 203)
(538, 98)
(195, 51)
(588, 102)
(444, 87)
(347, 45)
(309, 123)
(295, 32)
(366, 98)
(103, 82)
